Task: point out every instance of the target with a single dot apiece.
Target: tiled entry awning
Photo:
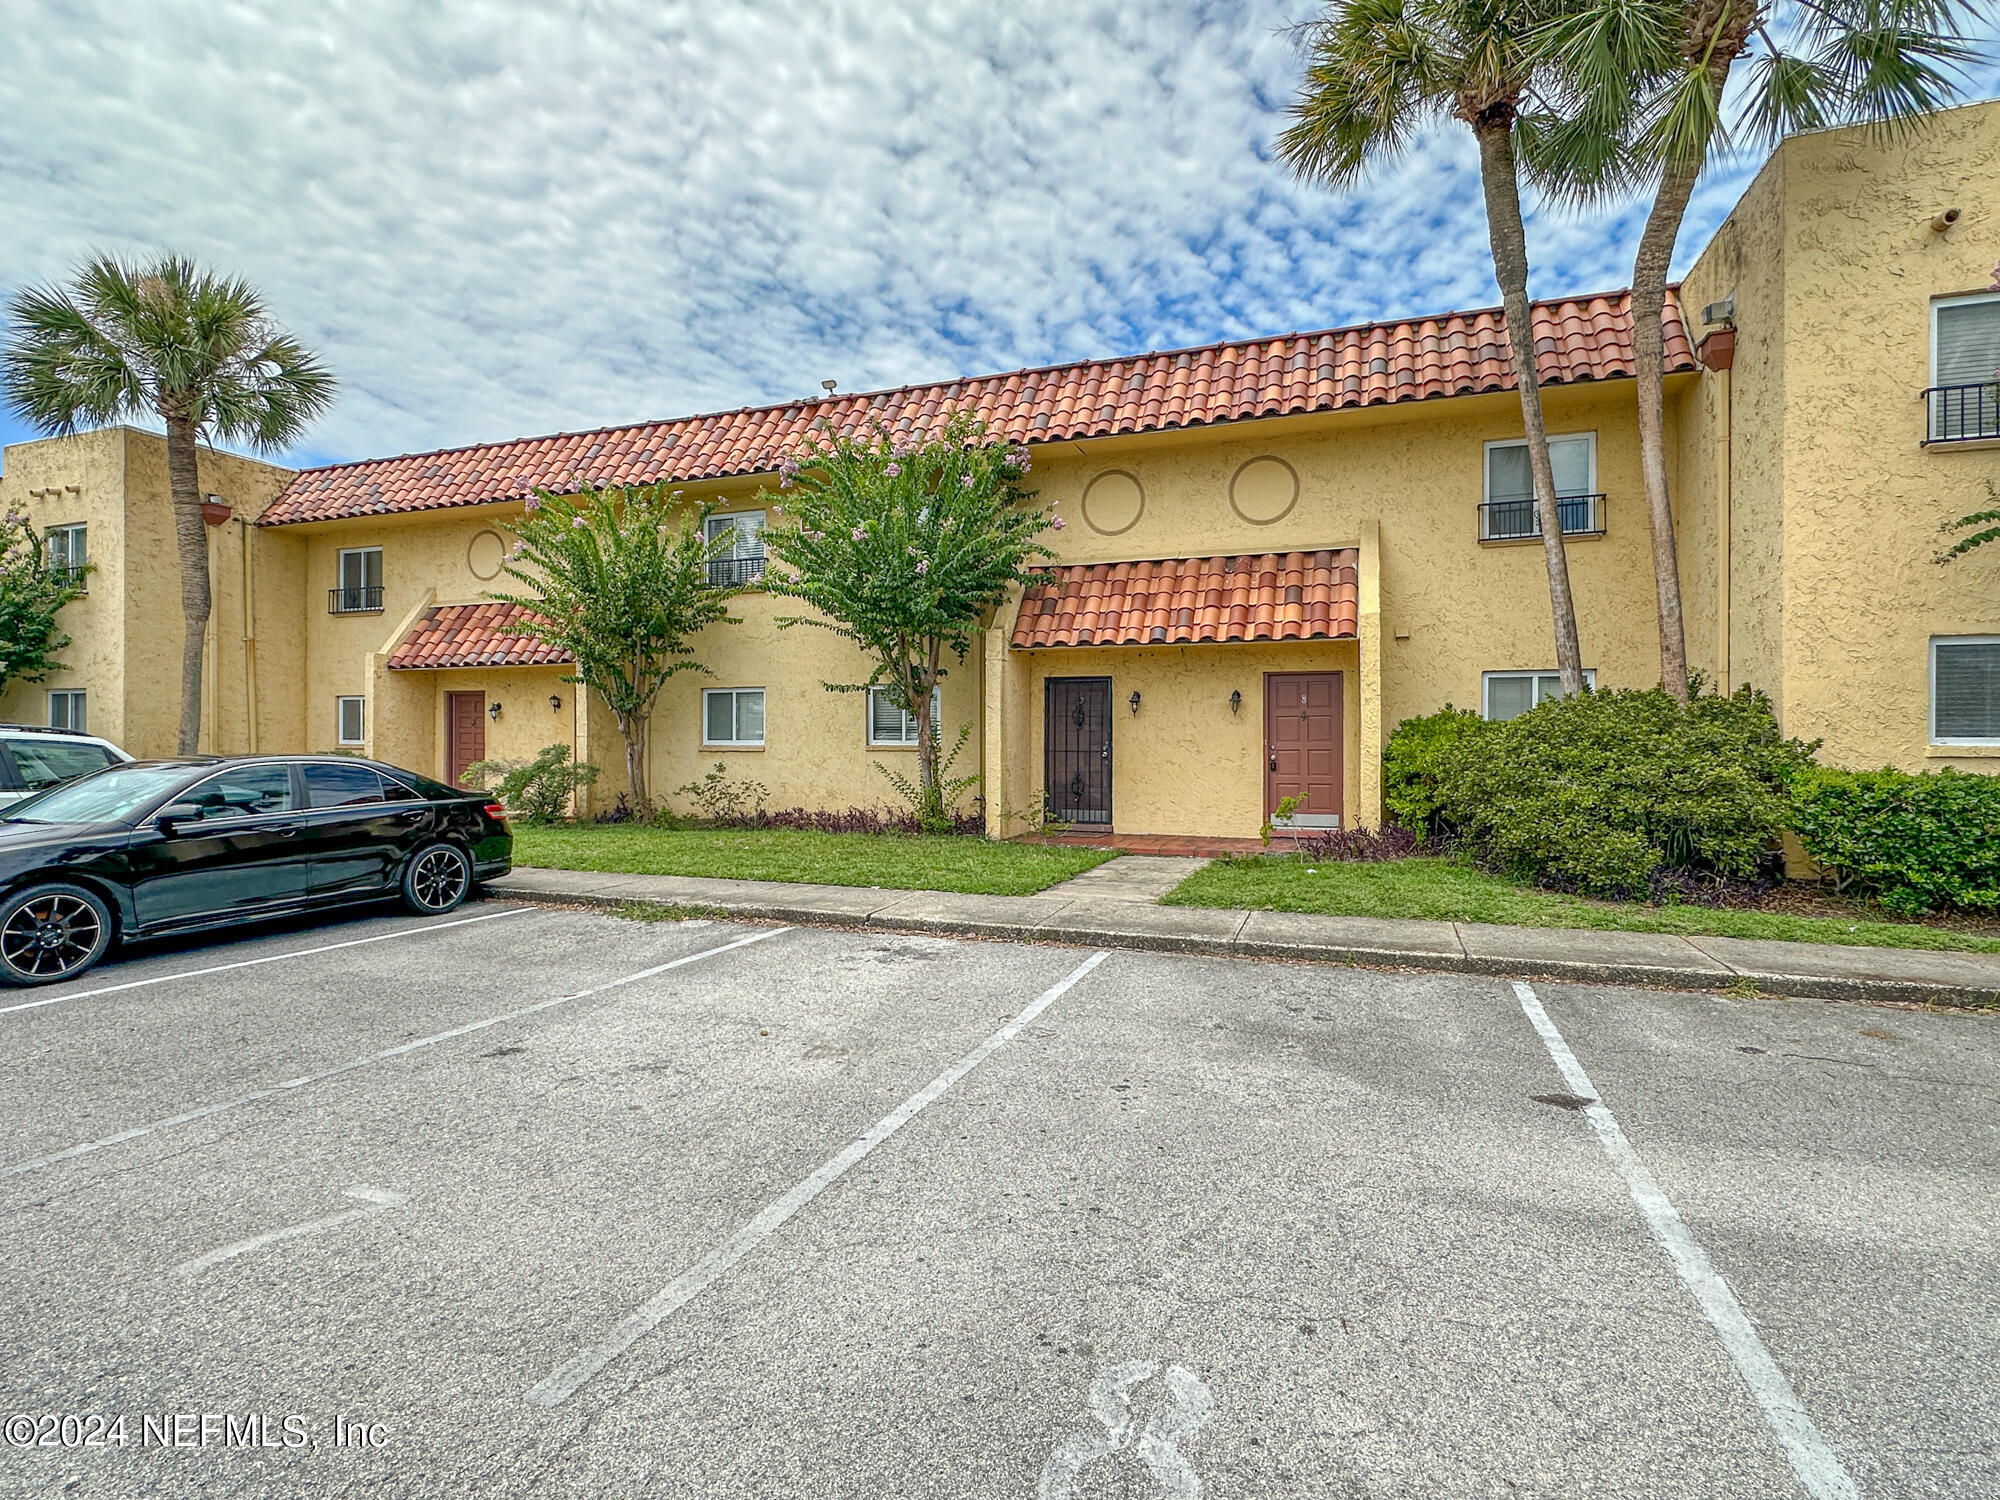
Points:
(472, 635)
(1273, 596)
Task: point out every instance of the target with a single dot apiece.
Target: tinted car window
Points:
(112, 796)
(46, 762)
(342, 786)
(242, 792)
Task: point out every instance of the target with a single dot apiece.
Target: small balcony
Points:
(1516, 521)
(362, 601)
(1963, 413)
(733, 572)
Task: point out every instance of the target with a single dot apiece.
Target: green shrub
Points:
(724, 799)
(1604, 792)
(1914, 841)
(1411, 794)
(538, 789)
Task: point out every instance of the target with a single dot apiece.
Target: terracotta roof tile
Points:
(1457, 354)
(472, 635)
(1274, 596)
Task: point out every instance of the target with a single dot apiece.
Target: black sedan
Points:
(154, 847)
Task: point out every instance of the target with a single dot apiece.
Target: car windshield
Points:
(112, 796)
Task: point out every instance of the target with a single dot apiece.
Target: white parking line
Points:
(378, 1201)
(1815, 1463)
(564, 1381)
(269, 958)
(189, 1116)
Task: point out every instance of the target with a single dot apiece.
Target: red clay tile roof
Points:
(472, 635)
(1456, 354)
(1276, 596)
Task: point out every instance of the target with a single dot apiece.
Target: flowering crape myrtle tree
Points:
(622, 583)
(905, 548)
(32, 589)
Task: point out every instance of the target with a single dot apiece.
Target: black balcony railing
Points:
(729, 572)
(1515, 520)
(1960, 413)
(354, 601)
(71, 576)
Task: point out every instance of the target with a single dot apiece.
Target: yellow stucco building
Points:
(1273, 550)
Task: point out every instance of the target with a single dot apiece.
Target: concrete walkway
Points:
(1818, 970)
(1131, 877)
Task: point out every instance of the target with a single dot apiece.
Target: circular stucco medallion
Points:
(484, 554)
(1264, 490)
(1113, 502)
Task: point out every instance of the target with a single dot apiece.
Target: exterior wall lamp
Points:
(555, 703)
(1235, 700)
(493, 712)
(1134, 700)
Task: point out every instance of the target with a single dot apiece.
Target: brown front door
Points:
(1076, 759)
(465, 732)
(1302, 745)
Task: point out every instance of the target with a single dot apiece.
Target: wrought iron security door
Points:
(1076, 732)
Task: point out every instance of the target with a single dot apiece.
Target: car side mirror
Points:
(177, 812)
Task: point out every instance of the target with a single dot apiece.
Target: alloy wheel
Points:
(49, 936)
(439, 878)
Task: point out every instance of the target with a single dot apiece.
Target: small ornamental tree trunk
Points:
(191, 542)
(634, 727)
(1494, 127)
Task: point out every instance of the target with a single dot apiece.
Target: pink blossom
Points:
(1055, 523)
(533, 504)
(858, 533)
(923, 567)
(893, 470)
(965, 481)
(579, 523)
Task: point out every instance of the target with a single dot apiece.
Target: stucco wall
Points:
(1864, 497)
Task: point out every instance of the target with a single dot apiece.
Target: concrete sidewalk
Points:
(1821, 971)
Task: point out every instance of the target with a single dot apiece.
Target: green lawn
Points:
(893, 861)
(1446, 890)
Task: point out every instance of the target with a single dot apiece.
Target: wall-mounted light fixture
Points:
(1134, 700)
(1235, 701)
(555, 703)
(493, 711)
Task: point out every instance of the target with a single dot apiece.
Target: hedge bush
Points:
(1412, 792)
(1915, 842)
(1606, 792)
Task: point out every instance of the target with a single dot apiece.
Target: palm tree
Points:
(1380, 71)
(171, 340)
(1645, 80)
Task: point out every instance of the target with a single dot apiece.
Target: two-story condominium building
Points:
(1275, 549)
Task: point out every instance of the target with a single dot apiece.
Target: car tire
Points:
(51, 932)
(437, 879)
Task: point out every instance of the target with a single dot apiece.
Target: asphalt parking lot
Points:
(546, 1202)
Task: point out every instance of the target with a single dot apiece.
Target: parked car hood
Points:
(22, 836)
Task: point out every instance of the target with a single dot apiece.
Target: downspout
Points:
(249, 645)
(1725, 585)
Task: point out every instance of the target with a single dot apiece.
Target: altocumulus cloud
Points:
(500, 218)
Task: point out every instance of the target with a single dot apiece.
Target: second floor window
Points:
(1964, 397)
(743, 559)
(1509, 511)
(69, 551)
(360, 588)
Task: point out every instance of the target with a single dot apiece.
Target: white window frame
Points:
(69, 532)
(937, 709)
(76, 703)
(1486, 680)
(1930, 418)
(757, 744)
(340, 567)
(340, 718)
(1956, 640)
(1486, 483)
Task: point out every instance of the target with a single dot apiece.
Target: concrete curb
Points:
(1436, 947)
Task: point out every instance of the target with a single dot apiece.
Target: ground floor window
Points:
(889, 723)
(1965, 690)
(732, 716)
(1505, 695)
(67, 710)
(351, 720)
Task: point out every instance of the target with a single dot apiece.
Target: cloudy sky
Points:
(497, 218)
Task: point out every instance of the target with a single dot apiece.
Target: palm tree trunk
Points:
(1649, 300)
(191, 541)
(1508, 236)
